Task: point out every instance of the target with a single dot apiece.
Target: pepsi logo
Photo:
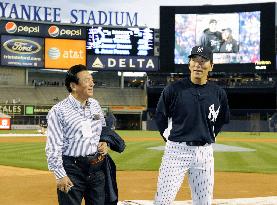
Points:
(11, 27)
(22, 46)
(54, 53)
(53, 31)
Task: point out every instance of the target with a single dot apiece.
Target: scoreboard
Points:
(120, 41)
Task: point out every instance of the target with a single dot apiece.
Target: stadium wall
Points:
(12, 76)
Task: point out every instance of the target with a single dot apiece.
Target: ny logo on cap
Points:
(200, 50)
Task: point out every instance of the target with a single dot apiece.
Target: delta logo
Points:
(11, 27)
(53, 31)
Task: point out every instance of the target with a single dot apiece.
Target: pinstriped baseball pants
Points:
(179, 159)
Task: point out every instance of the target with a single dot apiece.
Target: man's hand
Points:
(64, 184)
(103, 148)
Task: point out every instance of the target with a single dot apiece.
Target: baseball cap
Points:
(203, 51)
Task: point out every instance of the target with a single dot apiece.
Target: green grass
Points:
(29, 155)
(263, 160)
(270, 135)
(137, 156)
(18, 132)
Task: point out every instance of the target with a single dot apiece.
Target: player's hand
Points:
(64, 184)
(103, 148)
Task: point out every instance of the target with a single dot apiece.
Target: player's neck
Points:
(199, 81)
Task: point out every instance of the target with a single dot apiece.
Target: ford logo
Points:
(22, 46)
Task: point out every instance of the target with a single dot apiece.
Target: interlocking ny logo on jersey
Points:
(213, 114)
(200, 50)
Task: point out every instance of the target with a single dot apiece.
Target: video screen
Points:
(233, 37)
(120, 41)
(242, 36)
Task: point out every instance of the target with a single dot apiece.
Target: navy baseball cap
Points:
(203, 51)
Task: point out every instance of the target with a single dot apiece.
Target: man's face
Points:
(213, 26)
(199, 67)
(84, 88)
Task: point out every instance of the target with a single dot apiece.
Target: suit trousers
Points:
(88, 180)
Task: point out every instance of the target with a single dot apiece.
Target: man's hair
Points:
(71, 75)
(213, 21)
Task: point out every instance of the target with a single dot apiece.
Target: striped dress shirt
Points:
(65, 131)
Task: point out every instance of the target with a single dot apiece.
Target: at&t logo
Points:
(53, 31)
(54, 53)
(11, 27)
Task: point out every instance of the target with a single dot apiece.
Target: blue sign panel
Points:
(42, 30)
(122, 63)
(22, 51)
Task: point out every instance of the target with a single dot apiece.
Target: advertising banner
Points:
(122, 63)
(64, 53)
(12, 109)
(42, 30)
(37, 109)
(5, 123)
(22, 51)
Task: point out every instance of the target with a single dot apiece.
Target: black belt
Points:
(94, 159)
(196, 143)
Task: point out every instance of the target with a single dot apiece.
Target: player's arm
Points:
(224, 113)
(162, 111)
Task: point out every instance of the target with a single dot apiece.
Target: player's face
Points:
(199, 69)
(84, 89)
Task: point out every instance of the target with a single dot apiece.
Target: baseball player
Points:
(189, 115)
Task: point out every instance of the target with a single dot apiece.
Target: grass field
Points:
(137, 156)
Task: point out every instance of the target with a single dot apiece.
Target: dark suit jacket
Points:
(117, 144)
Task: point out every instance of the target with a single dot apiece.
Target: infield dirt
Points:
(23, 186)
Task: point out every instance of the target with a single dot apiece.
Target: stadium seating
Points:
(51, 95)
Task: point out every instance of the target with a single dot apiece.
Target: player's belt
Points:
(196, 143)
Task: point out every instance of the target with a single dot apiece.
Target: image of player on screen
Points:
(211, 36)
(229, 44)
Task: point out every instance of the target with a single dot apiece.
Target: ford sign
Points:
(22, 46)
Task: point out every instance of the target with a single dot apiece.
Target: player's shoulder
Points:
(179, 84)
(216, 88)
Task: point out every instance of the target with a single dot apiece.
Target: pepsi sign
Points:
(22, 51)
(42, 30)
(53, 31)
(12, 27)
(72, 32)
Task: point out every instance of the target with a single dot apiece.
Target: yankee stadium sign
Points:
(73, 16)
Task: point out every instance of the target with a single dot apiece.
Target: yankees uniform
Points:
(196, 113)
